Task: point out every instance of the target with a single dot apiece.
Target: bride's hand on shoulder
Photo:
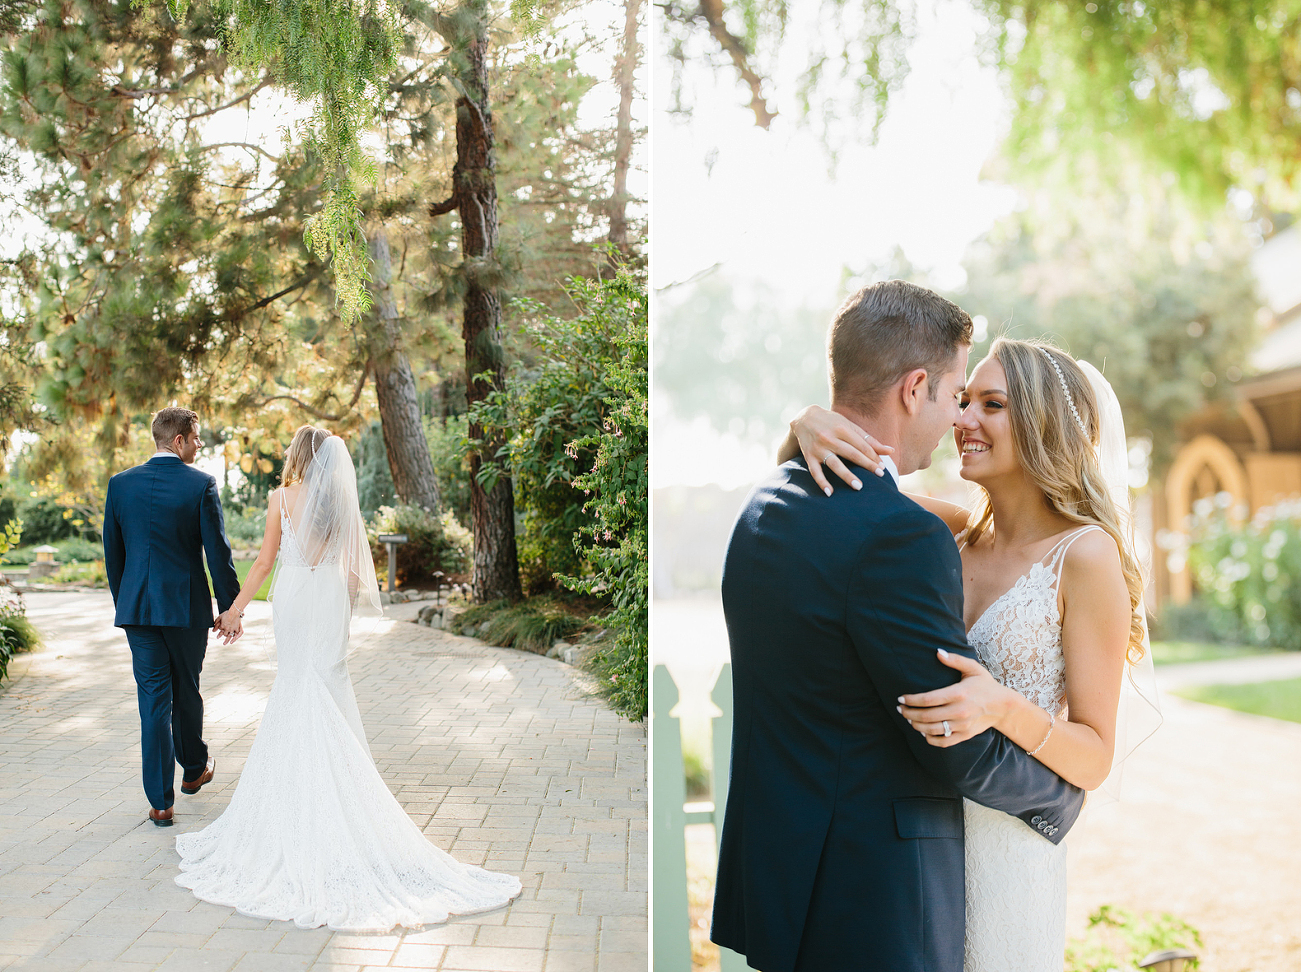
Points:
(826, 437)
(970, 706)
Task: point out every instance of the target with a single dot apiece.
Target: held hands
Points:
(229, 626)
(828, 437)
(969, 707)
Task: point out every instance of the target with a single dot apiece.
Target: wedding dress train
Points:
(312, 833)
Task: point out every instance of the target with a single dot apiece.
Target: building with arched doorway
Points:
(1249, 448)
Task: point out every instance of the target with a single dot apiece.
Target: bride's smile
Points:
(984, 426)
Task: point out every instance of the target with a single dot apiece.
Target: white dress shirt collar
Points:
(164, 452)
(891, 468)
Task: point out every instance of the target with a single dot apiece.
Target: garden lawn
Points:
(1278, 700)
(1178, 652)
(242, 567)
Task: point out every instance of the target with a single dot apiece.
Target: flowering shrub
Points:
(618, 487)
(1248, 574)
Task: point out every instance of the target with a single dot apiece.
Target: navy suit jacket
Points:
(159, 520)
(842, 844)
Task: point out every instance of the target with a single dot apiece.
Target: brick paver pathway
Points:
(498, 755)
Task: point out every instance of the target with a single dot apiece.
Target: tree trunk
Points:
(624, 75)
(395, 388)
(474, 189)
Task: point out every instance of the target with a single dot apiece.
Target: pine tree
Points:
(172, 270)
(474, 199)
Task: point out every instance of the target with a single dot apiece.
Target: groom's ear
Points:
(913, 388)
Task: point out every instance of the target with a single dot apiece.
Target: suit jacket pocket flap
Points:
(928, 817)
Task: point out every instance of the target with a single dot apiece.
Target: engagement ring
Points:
(948, 731)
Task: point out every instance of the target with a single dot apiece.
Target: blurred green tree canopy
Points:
(1206, 91)
(746, 368)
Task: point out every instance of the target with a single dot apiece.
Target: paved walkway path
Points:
(498, 755)
(1273, 667)
(1204, 831)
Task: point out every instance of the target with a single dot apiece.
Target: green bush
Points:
(434, 543)
(577, 420)
(16, 632)
(72, 550)
(550, 413)
(618, 489)
(449, 452)
(45, 521)
(1118, 939)
(1201, 619)
(87, 575)
(1248, 575)
(374, 480)
(532, 625)
(245, 529)
(77, 550)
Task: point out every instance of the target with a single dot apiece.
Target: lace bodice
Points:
(291, 553)
(290, 556)
(1019, 637)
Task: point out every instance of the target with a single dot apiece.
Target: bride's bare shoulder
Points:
(1091, 569)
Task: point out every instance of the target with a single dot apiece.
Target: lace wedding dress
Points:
(312, 834)
(1016, 880)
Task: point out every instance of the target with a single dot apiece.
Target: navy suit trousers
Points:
(167, 663)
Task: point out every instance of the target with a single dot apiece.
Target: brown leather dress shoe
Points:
(193, 786)
(161, 818)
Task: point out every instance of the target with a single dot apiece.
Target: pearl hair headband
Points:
(1066, 391)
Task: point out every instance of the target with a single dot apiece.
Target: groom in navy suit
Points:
(842, 845)
(159, 521)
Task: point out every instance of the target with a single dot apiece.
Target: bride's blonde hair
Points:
(1058, 455)
(300, 453)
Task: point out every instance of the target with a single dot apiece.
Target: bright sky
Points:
(768, 208)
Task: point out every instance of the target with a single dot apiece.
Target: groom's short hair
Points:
(886, 330)
(171, 422)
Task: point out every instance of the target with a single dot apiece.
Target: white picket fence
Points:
(671, 943)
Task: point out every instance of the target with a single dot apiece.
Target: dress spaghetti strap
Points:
(1057, 555)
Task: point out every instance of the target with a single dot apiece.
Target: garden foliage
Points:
(531, 625)
(1247, 573)
(1118, 939)
(619, 486)
(434, 543)
(576, 420)
(16, 632)
(550, 413)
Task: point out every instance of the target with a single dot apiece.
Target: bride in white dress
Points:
(312, 834)
(1053, 609)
